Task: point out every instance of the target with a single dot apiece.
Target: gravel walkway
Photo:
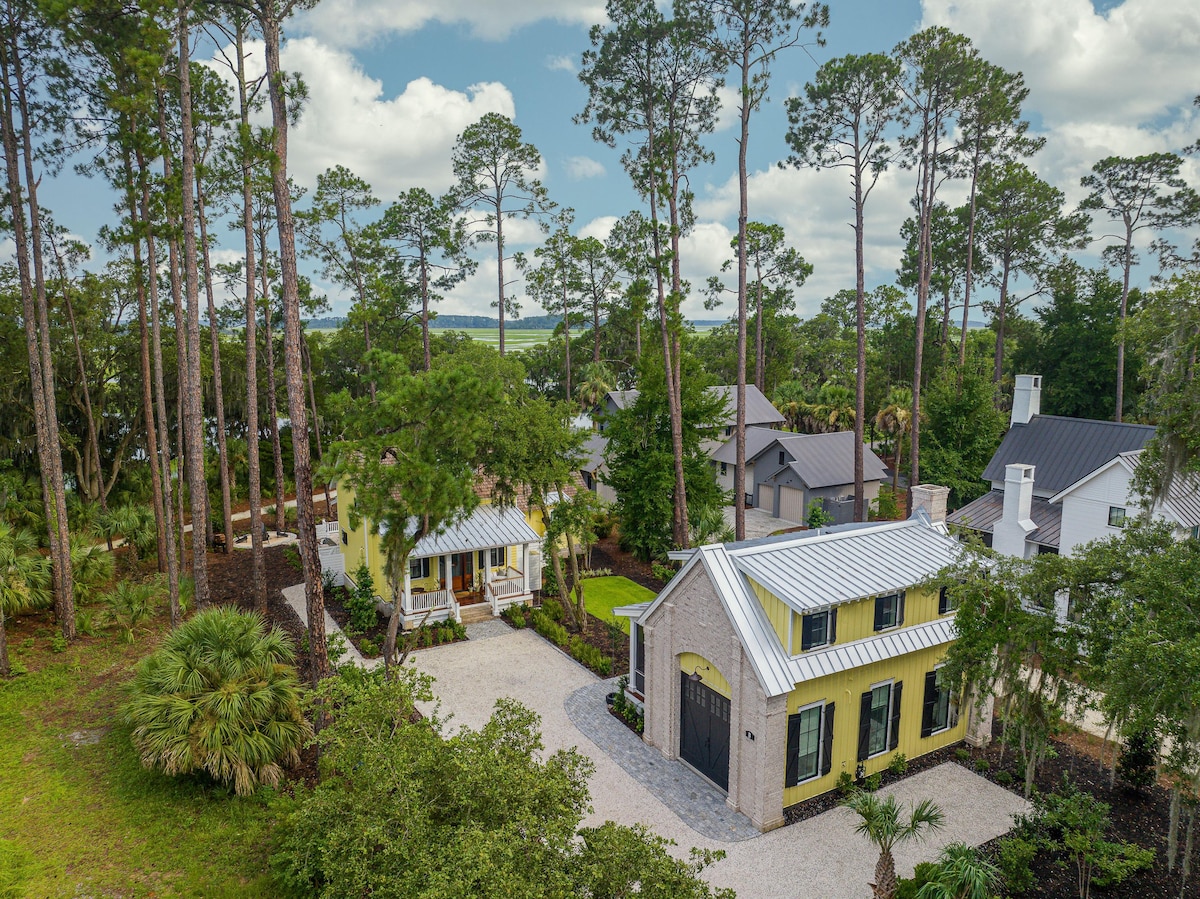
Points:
(820, 857)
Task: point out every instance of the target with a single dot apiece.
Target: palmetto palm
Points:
(595, 381)
(880, 822)
(24, 572)
(220, 696)
(895, 418)
(832, 411)
(961, 874)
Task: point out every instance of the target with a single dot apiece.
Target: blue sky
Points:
(393, 83)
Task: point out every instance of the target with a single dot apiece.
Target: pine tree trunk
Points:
(306, 523)
(1001, 309)
(214, 333)
(1120, 398)
(498, 203)
(35, 314)
(860, 333)
(272, 392)
(151, 448)
(312, 392)
(193, 411)
(253, 462)
(739, 436)
(167, 534)
(924, 271)
(969, 280)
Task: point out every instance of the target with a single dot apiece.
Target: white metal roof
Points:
(488, 526)
(816, 572)
(844, 565)
(845, 656)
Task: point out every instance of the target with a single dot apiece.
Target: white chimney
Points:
(932, 498)
(1027, 399)
(1009, 533)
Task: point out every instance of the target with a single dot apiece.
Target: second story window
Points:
(781, 457)
(818, 629)
(889, 611)
(1116, 516)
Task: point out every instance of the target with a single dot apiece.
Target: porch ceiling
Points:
(488, 526)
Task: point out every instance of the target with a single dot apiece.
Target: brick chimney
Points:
(1009, 533)
(1027, 399)
(931, 498)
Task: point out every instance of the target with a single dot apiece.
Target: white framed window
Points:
(818, 629)
(879, 719)
(1116, 516)
(808, 751)
(889, 611)
(939, 710)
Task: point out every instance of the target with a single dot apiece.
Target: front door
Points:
(704, 730)
(461, 571)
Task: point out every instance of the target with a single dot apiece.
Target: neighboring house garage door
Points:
(704, 730)
(791, 504)
(766, 498)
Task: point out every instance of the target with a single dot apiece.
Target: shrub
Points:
(58, 643)
(663, 572)
(1004, 778)
(130, 604)
(845, 783)
(982, 765)
(898, 764)
(293, 557)
(603, 521)
(1139, 756)
(923, 873)
(962, 754)
(514, 615)
(368, 647)
(360, 602)
(220, 697)
(1014, 858)
(873, 782)
(553, 610)
(550, 629)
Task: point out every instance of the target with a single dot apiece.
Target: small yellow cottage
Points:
(490, 560)
(774, 666)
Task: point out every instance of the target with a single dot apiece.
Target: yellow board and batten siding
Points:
(845, 689)
(690, 662)
(855, 621)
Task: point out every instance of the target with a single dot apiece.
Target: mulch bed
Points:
(607, 554)
(335, 604)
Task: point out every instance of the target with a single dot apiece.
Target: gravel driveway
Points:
(820, 858)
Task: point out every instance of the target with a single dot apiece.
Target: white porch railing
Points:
(439, 605)
(328, 529)
(503, 592)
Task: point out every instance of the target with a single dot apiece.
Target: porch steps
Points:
(475, 612)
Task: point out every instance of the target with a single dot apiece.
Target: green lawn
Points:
(514, 338)
(88, 820)
(603, 594)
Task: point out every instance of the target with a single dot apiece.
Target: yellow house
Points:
(772, 667)
(488, 561)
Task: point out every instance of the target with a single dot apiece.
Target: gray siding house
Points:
(792, 470)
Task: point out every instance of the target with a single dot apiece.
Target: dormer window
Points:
(781, 457)
(889, 611)
(818, 629)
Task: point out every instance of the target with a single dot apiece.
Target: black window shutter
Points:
(943, 601)
(832, 628)
(900, 610)
(806, 633)
(793, 752)
(895, 740)
(864, 726)
(931, 696)
(879, 613)
(827, 737)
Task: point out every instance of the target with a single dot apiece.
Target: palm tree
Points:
(832, 411)
(24, 579)
(961, 874)
(595, 381)
(895, 418)
(880, 823)
(222, 697)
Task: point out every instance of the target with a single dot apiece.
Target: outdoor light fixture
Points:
(695, 677)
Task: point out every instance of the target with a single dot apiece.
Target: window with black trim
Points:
(724, 468)
(889, 611)
(498, 557)
(946, 603)
(818, 629)
(1116, 516)
(879, 719)
(418, 569)
(810, 743)
(345, 538)
(781, 457)
(939, 711)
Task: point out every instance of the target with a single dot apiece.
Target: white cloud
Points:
(1133, 62)
(561, 63)
(393, 142)
(582, 167)
(598, 228)
(357, 22)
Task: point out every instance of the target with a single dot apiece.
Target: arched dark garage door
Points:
(704, 730)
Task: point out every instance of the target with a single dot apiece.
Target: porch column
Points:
(448, 568)
(407, 587)
(525, 565)
(487, 566)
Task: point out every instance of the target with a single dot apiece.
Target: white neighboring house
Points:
(1058, 483)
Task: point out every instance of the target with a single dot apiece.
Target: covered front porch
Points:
(490, 561)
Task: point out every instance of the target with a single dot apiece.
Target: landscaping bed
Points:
(601, 642)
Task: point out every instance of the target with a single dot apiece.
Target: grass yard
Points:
(603, 594)
(80, 816)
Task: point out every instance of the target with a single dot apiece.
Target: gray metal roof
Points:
(982, 514)
(1064, 450)
(843, 657)
(759, 409)
(827, 460)
(856, 550)
(818, 572)
(593, 453)
(757, 439)
(488, 526)
(1182, 501)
